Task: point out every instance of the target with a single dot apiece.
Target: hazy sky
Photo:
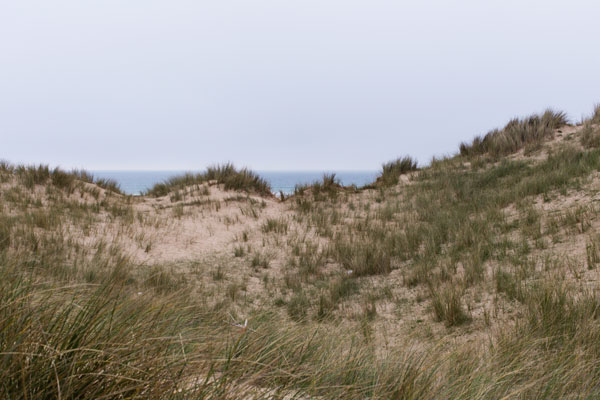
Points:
(282, 84)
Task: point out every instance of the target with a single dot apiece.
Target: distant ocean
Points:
(136, 182)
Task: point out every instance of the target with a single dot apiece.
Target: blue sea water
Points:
(136, 182)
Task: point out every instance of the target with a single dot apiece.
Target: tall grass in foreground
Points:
(515, 135)
(226, 174)
(107, 341)
(81, 341)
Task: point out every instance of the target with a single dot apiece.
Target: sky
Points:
(282, 84)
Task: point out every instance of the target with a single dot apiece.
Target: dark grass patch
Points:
(233, 179)
(515, 135)
(327, 188)
(31, 175)
(391, 171)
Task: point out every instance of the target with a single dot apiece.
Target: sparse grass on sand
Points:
(476, 279)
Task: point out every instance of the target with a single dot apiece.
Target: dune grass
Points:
(31, 175)
(81, 321)
(595, 118)
(115, 339)
(327, 188)
(391, 171)
(88, 341)
(226, 174)
(590, 137)
(518, 133)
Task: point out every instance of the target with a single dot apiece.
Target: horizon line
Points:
(252, 169)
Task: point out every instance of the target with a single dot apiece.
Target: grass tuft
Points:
(447, 307)
(595, 119)
(590, 136)
(327, 188)
(226, 174)
(33, 175)
(391, 171)
(276, 225)
(515, 135)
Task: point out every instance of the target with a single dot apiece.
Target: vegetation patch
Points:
(392, 170)
(515, 135)
(226, 174)
(476, 281)
(31, 175)
(327, 188)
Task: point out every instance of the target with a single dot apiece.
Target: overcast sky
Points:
(282, 84)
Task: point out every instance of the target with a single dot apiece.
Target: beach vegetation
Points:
(477, 280)
(392, 170)
(227, 174)
(518, 133)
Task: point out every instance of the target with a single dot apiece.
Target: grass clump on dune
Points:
(31, 175)
(226, 174)
(327, 188)
(590, 136)
(596, 116)
(446, 305)
(515, 135)
(391, 171)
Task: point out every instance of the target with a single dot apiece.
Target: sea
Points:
(136, 182)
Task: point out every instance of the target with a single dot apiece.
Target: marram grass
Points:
(226, 174)
(78, 323)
